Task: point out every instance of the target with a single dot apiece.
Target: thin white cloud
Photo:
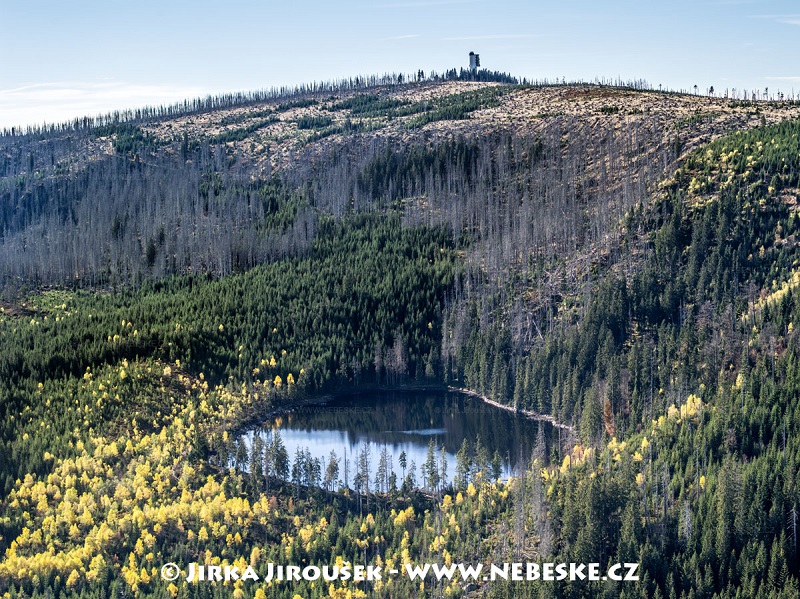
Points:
(793, 19)
(401, 37)
(60, 101)
(25, 88)
(502, 36)
(787, 78)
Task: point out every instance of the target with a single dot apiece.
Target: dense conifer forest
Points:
(621, 260)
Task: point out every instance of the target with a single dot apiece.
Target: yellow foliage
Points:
(129, 498)
(255, 556)
(404, 516)
(447, 503)
(74, 578)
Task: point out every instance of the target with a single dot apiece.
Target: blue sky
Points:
(64, 59)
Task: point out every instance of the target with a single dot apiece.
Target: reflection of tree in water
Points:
(476, 436)
(394, 415)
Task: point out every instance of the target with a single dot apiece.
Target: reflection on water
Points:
(388, 426)
(427, 432)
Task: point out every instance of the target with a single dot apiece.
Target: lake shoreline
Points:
(322, 400)
(527, 413)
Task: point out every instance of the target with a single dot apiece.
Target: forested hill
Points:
(219, 189)
(625, 261)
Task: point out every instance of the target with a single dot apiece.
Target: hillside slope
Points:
(623, 261)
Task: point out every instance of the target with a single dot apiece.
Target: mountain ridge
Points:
(626, 264)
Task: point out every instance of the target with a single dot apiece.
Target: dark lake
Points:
(393, 423)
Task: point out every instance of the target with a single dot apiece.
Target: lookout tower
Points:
(474, 61)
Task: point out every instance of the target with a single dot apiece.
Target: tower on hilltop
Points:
(474, 61)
